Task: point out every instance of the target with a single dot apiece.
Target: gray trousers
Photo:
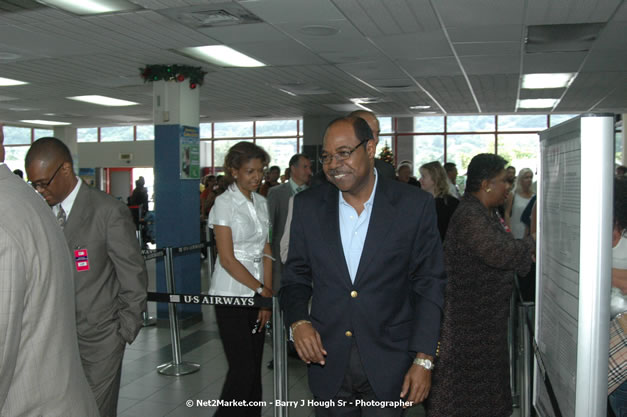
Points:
(104, 380)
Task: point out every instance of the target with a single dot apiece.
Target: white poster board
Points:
(574, 265)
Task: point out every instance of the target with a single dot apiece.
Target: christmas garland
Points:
(178, 73)
(387, 155)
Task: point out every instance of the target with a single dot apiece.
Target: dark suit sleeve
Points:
(296, 279)
(130, 270)
(428, 281)
(273, 210)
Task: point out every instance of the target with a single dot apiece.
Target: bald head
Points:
(48, 150)
(50, 169)
(372, 121)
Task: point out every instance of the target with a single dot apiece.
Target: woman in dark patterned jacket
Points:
(471, 375)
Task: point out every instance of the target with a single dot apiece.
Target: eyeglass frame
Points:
(37, 185)
(337, 156)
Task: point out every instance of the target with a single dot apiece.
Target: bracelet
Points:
(298, 323)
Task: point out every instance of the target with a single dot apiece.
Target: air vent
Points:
(214, 15)
(562, 38)
(126, 157)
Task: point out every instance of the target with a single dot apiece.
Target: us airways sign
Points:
(210, 300)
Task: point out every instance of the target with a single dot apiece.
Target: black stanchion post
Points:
(176, 367)
(525, 372)
(280, 359)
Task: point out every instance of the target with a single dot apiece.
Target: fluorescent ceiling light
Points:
(7, 81)
(557, 80)
(222, 56)
(537, 103)
(103, 100)
(288, 92)
(419, 107)
(86, 7)
(46, 122)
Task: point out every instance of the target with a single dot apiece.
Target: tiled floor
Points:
(146, 393)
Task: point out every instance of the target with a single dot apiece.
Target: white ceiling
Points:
(458, 56)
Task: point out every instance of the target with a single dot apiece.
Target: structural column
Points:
(67, 135)
(177, 202)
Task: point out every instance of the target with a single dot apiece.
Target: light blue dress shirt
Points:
(353, 229)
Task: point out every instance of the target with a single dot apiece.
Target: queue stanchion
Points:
(147, 319)
(279, 354)
(525, 372)
(177, 367)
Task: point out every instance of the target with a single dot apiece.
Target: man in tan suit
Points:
(40, 368)
(109, 271)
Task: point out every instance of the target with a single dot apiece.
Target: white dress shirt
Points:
(68, 203)
(249, 225)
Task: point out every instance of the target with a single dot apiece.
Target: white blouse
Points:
(249, 225)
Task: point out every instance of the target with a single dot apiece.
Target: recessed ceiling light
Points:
(86, 7)
(222, 56)
(428, 112)
(288, 92)
(46, 122)
(537, 103)
(419, 107)
(4, 82)
(319, 30)
(556, 80)
(366, 100)
(103, 101)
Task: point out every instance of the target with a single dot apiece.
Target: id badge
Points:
(81, 260)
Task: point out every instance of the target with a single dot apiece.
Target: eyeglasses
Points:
(40, 185)
(341, 155)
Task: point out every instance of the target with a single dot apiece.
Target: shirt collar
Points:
(69, 200)
(238, 196)
(295, 187)
(370, 200)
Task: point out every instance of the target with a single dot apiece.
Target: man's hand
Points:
(416, 384)
(308, 344)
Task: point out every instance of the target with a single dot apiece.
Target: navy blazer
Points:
(394, 307)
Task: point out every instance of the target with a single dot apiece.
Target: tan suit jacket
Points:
(40, 368)
(111, 294)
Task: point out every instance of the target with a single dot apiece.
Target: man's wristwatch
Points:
(425, 363)
(259, 290)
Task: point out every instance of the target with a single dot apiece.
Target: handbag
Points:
(618, 352)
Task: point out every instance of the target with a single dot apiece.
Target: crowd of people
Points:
(395, 290)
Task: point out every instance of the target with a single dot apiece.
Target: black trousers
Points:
(355, 386)
(243, 353)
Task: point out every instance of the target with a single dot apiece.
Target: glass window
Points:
(205, 153)
(427, 148)
(220, 148)
(619, 148)
(145, 132)
(556, 119)
(205, 130)
(276, 128)
(385, 125)
(383, 142)
(14, 157)
(520, 150)
(233, 129)
(14, 135)
(43, 133)
(280, 150)
(429, 124)
(116, 134)
(470, 124)
(462, 148)
(87, 135)
(511, 123)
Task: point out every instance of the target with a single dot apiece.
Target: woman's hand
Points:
(263, 317)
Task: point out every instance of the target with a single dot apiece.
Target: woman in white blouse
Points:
(239, 218)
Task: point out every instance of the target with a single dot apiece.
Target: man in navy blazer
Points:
(367, 252)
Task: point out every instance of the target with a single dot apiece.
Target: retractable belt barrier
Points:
(177, 367)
